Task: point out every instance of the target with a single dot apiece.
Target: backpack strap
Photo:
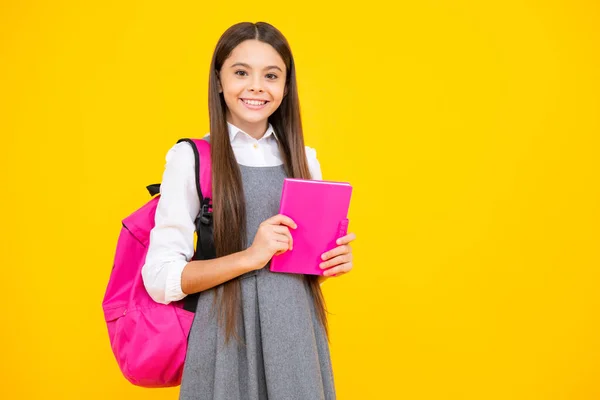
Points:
(153, 189)
(201, 150)
(204, 226)
(205, 248)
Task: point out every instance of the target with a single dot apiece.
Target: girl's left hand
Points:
(338, 261)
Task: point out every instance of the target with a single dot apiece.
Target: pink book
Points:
(320, 209)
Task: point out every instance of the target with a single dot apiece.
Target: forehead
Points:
(255, 53)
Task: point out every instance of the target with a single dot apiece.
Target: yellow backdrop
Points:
(469, 130)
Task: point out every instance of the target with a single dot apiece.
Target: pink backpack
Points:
(149, 339)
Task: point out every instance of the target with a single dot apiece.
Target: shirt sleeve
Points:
(171, 244)
(313, 164)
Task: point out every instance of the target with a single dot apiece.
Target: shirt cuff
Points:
(173, 290)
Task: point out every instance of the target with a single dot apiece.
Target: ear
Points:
(285, 91)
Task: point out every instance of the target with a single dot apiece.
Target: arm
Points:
(205, 274)
(168, 274)
(272, 237)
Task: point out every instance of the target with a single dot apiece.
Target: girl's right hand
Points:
(272, 238)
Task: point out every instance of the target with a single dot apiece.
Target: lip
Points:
(251, 107)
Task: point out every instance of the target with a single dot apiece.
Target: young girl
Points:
(256, 334)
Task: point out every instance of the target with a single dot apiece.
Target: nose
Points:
(256, 85)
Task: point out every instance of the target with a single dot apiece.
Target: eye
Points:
(240, 72)
(271, 76)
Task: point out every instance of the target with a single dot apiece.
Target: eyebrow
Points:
(241, 64)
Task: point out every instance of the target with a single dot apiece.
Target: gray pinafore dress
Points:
(286, 354)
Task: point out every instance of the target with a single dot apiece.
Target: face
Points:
(252, 81)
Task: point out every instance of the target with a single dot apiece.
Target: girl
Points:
(256, 334)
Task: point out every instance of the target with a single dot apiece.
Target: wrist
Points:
(248, 260)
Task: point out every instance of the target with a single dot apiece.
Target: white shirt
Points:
(171, 244)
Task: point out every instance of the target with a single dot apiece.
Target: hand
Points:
(272, 238)
(338, 261)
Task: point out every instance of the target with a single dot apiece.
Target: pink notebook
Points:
(320, 209)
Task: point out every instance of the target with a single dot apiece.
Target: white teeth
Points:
(254, 102)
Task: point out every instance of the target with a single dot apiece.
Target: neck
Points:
(254, 129)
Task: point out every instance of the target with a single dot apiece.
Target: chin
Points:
(254, 116)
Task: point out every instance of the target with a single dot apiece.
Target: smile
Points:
(254, 104)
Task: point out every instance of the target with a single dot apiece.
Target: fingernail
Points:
(323, 257)
(339, 241)
(321, 265)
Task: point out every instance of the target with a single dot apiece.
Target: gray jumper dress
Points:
(286, 354)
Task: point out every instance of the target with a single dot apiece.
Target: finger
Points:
(281, 219)
(282, 238)
(345, 258)
(340, 274)
(340, 269)
(346, 239)
(281, 247)
(344, 249)
(281, 229)
(284, 230)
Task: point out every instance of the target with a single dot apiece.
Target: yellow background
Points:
(469, 130)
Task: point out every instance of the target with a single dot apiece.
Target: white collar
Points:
(234, 131)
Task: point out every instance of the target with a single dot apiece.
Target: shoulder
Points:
(314, 166)
(311, 153)
(180, 154)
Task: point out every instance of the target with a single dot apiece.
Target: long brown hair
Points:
(228, 197)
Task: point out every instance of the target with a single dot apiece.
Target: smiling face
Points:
(253, 82)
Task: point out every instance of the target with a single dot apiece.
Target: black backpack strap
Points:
(153, 189)
(205, 248)
(197, 166)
